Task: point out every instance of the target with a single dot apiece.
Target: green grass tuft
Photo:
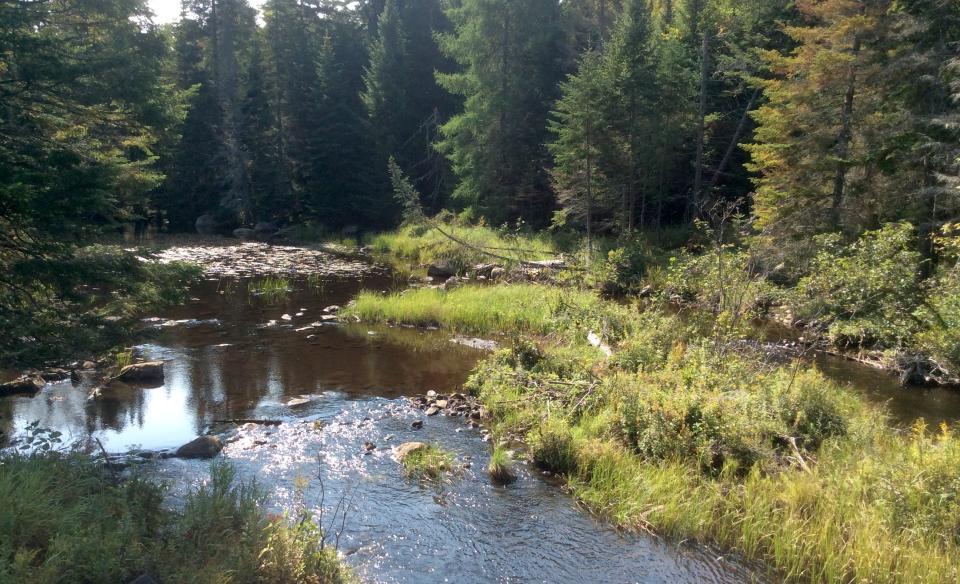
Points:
(500, 467)
(430, 463)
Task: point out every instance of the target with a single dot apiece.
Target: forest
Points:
(672, 221)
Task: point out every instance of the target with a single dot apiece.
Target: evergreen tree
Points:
(813, 145)
(581, 130)
(261, 142)
(512, 55)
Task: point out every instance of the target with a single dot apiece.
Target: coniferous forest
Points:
(698, 242)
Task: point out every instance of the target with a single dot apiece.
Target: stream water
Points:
(232, 355)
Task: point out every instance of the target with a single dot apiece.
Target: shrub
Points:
(863, 294)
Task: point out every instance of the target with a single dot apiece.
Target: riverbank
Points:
(676, 434)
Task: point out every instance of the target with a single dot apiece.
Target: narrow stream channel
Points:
(234, 356)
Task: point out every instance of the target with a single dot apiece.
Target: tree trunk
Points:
(701, 123)
(731, 148)
(844, 138)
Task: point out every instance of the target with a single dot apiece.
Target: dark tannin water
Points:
(232, 355)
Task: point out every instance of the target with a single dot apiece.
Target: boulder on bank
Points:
(441, 270)
(408, 448)
(148, 371)
(28, 384)
(206, 225)
(202, 447)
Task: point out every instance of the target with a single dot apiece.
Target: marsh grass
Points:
(430, 463)
(65, 519)
(699, 449)
(271, 289)
(124, 358)
(521, 308)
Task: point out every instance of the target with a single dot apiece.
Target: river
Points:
(235, 355)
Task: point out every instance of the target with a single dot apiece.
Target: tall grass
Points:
(787, 469)
(428, 463)
(521, 308)
(63, 519)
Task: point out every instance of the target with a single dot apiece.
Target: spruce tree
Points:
(512, 57)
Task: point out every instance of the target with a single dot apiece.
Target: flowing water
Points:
(232, 355)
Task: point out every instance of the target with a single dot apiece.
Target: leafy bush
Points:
(863, 294)
(940, 311)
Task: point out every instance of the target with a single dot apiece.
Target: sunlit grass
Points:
(65, 519)
(423, 244)
(500, 467)
(518, 308)
(430, 462)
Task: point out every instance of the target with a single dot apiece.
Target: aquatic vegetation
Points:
(64, 515)
(430, 462)
(272, 289)
(124, 358)
(500, 467)
(779, 465)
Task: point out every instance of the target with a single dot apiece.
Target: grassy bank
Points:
(64, 519)
(422, 244)
(676, 435)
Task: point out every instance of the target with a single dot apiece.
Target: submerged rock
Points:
(27, 384)
(202, 447)
(142, 372)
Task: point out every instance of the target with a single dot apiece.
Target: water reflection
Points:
(230, 366)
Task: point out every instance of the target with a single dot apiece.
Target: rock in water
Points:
(202, 447)
(297, 402)
(407, 448)
(23, 385)
(441, 270)
(140, 372)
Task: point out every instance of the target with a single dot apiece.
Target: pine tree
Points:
(260, 139)
(581, 130)
(512, 55)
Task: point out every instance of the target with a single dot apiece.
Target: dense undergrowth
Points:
(66, 519)
(676, 434)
